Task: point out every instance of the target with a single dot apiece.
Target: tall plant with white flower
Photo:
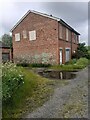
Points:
(12, 78)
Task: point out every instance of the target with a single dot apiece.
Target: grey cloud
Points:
(74, 13)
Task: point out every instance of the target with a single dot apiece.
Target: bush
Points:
(72, 65)
(82, 61)
(82, 51)
(33, 65)
(24, 64)
(40, 65)
(12, 78)
(72, 61)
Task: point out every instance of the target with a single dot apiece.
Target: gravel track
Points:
(69, 101)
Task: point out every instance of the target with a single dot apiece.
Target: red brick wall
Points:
(47, 44)
(63, 43)
(44, 48)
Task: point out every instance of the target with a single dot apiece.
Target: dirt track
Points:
(70, 101)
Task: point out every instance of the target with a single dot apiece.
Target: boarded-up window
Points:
(61, 28)
(17, 37)
(24, 34)
(69, 35)
(75, 37)
(32, 35)
(66, 34)
(5, 57)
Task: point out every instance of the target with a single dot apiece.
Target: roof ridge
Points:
(46, 15)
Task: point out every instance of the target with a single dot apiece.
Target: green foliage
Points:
(24, 64)
(40, 65)
(7, 40)
(73, 65)
(72, 61)
(33, 93)
(82, 51)
(82, 61)
(12, 78)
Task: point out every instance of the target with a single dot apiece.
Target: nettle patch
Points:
(12, 78)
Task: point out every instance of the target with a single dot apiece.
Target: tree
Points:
(82, 51)
(7, 40)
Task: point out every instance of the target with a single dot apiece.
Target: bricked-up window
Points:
(67, 34)
(24, 34)
(75, 38)
(17, 37)
(32, 35)
(61, 28)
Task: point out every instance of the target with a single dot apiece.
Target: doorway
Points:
(61, 57)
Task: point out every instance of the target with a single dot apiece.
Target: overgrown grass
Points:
(72, 65)
(33, 93)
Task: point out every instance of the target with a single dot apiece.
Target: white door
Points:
(67, 55)
(60, 56)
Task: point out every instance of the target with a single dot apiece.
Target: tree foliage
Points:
(7, 40)
(82, 51)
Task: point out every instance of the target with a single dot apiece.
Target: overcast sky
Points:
(74, 13)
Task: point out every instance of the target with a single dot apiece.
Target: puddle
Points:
(57, 74)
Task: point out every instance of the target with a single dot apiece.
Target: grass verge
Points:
(80, 64)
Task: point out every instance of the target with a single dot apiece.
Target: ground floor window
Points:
(67, 54)
(5, 57)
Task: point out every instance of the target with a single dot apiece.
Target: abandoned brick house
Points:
(42, 38)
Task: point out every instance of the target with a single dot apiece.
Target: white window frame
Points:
(24, 34)
(32, 35)
(67, 34)
(17, 37)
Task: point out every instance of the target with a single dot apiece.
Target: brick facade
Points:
(45, 49)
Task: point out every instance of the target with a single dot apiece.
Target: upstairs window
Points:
(67, 34)
(24, 34)
(32, 35)
(75, 38)
(61, 28)
(17, 37)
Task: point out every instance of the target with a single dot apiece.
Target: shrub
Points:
(40, 65)
(12, 78)
(82, 61)
(33, 65)
(24, 64)
(72, 61)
